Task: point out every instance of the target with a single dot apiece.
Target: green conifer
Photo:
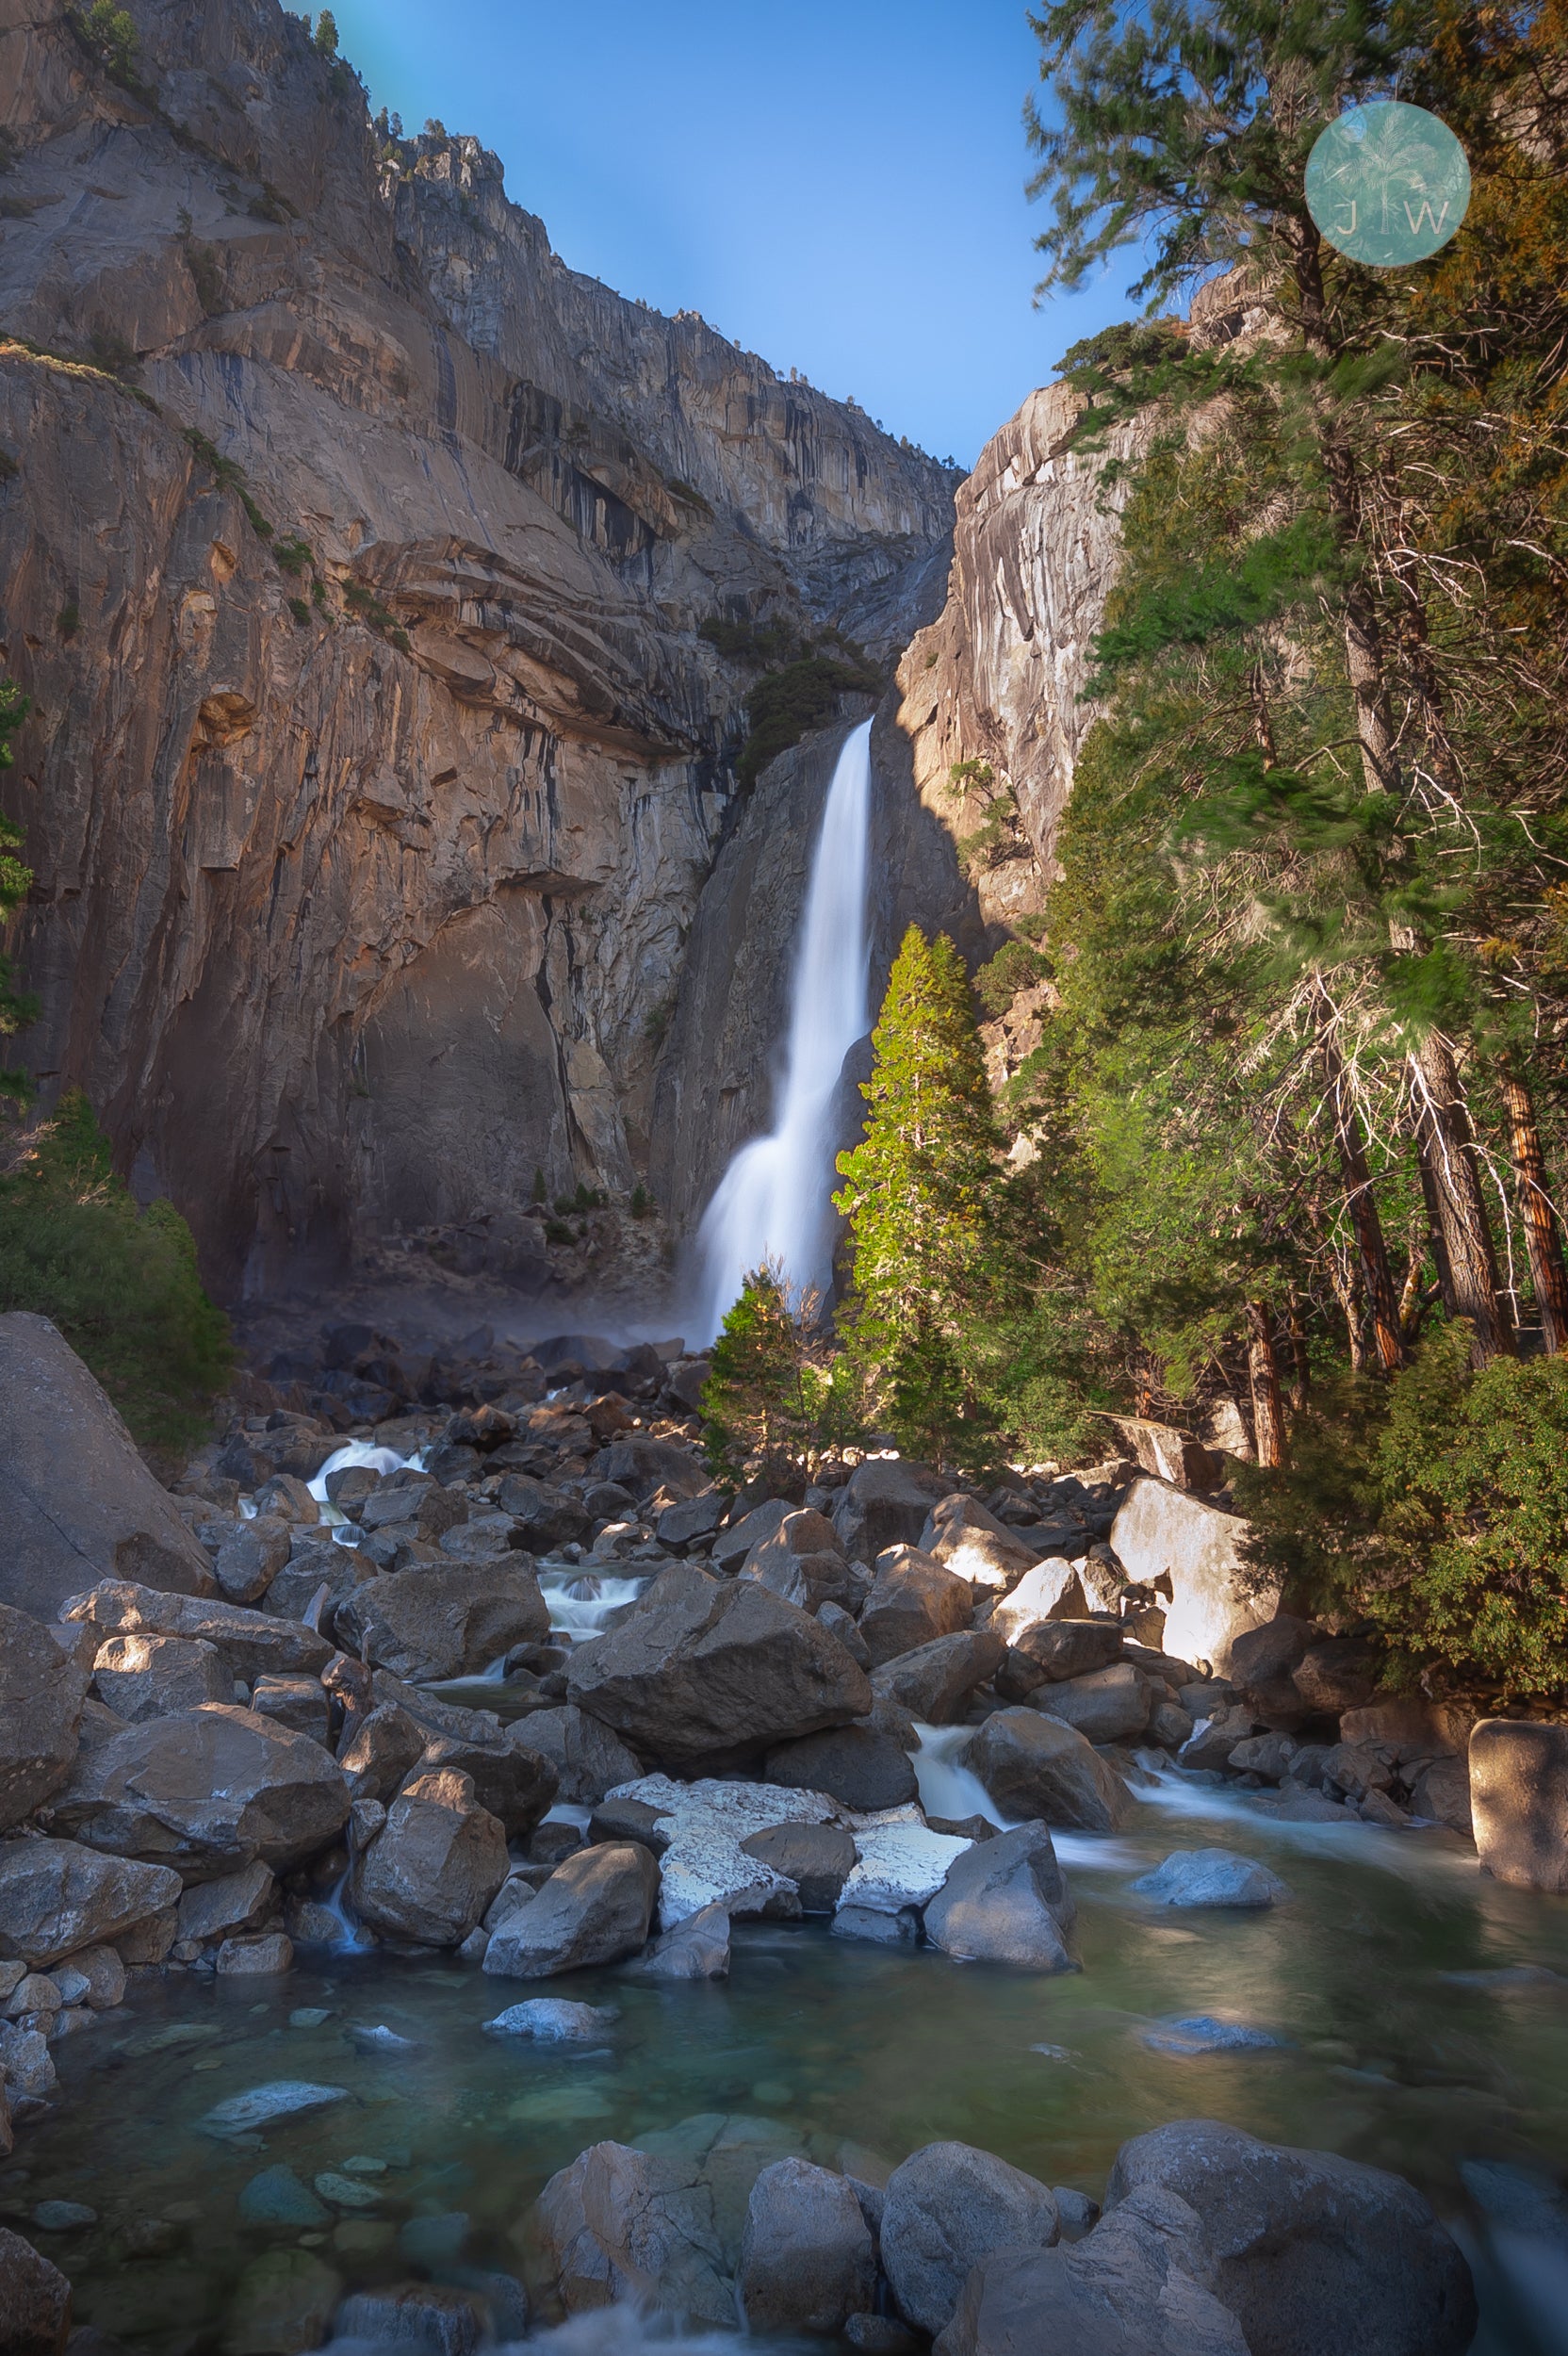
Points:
(756, 1413)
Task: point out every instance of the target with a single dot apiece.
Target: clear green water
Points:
(1387, 2060)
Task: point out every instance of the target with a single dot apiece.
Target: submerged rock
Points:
(261, 2106)
(555, 2021)
(1203, 2034)
(1211, 1877)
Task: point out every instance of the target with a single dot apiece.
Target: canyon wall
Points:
(355, 553)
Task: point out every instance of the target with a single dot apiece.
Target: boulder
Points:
(35, 2297)
(283, 2301)
(644, 1465)
(620, 2227)
(1441, 1792)
(1416, 1727)
(250, 1643)
(57, 1898)
(1134, 2286)
(886, 1502)
(934, 1682)
(77, 1502)
(434, 1868)
(158, 1677)
(41, 1692)
(1519, 1801)
(807, 2260)
(1006, 1901)
(1068, 1648)
(817, 1858)
(1314, 2255)
(1262, 1663)
(696, 1949)
(690, 1518)
(967, 1539)
(946, 2206)
(301, 1704)
(380, 1750)
(731, 1546)
(721, 1668)
(841, 1624)
(912, 1601)
(510, 1777)
(1211, 1877)
(1049, 1591)
(252, 1556)
(1035, 1766)
(595, 1907)
(697, 1829)
(1213, 1739)
(1108, 1705)
(1338, 1672)
(236, 1903)
(900, 1864)
(263, 1957)
(205, 1792)
(1169, 1453)
(1168, 1540)
(588, 1760)
(859, 1766)
(445, 1620)
(549, 1518)
(803, 1561)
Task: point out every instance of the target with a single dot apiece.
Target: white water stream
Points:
(773, 1201)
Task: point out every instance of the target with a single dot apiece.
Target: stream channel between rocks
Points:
(1421, 2012)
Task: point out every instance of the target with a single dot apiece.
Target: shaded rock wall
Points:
(359, 883)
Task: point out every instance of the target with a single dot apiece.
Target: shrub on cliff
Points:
(119, 1283)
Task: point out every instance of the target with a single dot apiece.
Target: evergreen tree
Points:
(326, 34)
(16, 1011)
(757, 1404)
(921, 1193)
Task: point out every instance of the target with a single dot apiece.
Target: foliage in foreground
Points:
(120, 1283)
(771, 1403)
(1437, 1509)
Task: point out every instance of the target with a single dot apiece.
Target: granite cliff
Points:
(356, 554)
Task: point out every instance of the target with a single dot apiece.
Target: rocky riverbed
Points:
(460, 1855)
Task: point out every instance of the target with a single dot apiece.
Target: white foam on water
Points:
(585, 1615)
(1415, 1856)
(774, 1201)
(379, 1460)
(945, 1787)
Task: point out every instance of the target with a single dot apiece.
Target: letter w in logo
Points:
(1422, 214)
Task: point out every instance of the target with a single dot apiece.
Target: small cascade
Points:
(773, 1201)
(576, 1613)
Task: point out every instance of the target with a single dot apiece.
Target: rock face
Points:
(77, 1502)
(468, 802)
(718, 1669)
(1190, 1551)
(1519, 1802)
(946, 2206)
(42, 1693)
(431, 1871)
(1315, 2255)
(57, 1898)
(445, 1620)
(205, 1792)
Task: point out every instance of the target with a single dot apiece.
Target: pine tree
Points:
(757, 1408)
(921, 1193)
(326, 34)
(16, 1011)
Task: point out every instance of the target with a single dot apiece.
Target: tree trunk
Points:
(1371, 1249)
(1300, 1365)
(1343, 1276)
(1548, 1273)
(1449, 1155)
(1269, 1423)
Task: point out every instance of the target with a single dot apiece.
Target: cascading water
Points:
(772, 1203)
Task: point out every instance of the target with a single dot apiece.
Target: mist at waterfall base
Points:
(774, 1201)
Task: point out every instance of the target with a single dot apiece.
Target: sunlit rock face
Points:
(349, 916)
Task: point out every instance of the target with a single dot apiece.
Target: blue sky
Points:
(837, 184)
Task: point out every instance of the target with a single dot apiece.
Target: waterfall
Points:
(773, 1201)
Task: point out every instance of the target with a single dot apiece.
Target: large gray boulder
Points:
(946, 2206)
(719, 1668)
(935, 1681)
(35, 2297)
(41, 1692)
(57, 1898)
(912, 1601)
(966, 1537)
(380, 1750)
(251, 1645)
(1314, 2255)
(154, 1676)
(804, 1561)
(886, 1502)
(1052, 1591)
(588, 1759)
(445, 1620)
(807, 2260)
(634, 2228)
(1211, 1877)
(1035, 1766)
(1519, 1801)
(1107, 1706)
(1064, 1649)
(77, 1502)
(1006, 1901)
(1135, 2286)
(1161, 1536)
(205, 1792)
(435, 1867)
(645, 1466)
(510, 1776)
(861, 1767)
(595, 1907)
(818, 1859)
